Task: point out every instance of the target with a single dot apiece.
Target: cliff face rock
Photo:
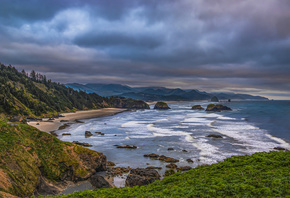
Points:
(141, 176)
(197, 107)
(35, 162)
(214, 99)
(218, 107)
(161, 106)
(128, 103)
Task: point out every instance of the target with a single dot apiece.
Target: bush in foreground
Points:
(259, 175)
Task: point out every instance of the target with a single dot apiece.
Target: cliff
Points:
(35, 162)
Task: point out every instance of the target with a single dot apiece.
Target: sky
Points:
(211, 45)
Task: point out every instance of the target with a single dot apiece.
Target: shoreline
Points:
(47, 125)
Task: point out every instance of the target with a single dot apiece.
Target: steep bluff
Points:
(35, 162)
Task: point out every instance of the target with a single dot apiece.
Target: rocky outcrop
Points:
(280, 148)
(128, 103)
(189, 160)
(161, 106)
(82, 144)
(152, 155)
(218, 107)
(141, 177)
(162, 158)
(197, 107)
(214, 99)
(167, 159)
(154, 167)
(184, 168)
(88, 134)
(127, 147)
(215, 136)
(109, 163)
(171, 166)
(114, 171)
(98, 181)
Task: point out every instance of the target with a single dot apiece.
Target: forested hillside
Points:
(33, 95)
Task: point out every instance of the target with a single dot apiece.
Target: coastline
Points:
(47, 125)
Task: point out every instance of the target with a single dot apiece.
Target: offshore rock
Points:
(215, 136)
(127, 147)
(88, 134)
(167, 159)
(141, 176)
(218, 107)
(152, 155)
(214, 99)
(161, 106)
(197, 107)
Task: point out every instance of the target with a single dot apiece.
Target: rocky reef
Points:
(218, 107)
(141, 176)
(197, 107)
(161, 106)
(34, 162)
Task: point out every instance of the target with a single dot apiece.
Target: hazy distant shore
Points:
(53, 125)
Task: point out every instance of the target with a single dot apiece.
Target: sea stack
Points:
(161, 106)
(214, 99)
(197, 107)
(218, 107)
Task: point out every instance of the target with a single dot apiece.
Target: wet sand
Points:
(52, 125)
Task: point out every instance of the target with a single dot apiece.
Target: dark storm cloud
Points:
(209, 44)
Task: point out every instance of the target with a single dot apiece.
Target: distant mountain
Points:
(101, 89)
(157, 93)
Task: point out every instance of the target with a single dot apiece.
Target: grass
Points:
(26, 153)
(260, 175)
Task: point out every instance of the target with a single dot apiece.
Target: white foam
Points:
(132, 124)
(281, 141)
(251, 137)
(163, 132)
(225, 118)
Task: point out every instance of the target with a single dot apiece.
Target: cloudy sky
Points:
(211, 45)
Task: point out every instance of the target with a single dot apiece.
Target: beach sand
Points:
(52, 125)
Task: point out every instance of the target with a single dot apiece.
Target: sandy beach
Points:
(52, 125)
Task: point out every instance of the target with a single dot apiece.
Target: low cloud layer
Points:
(223, 45)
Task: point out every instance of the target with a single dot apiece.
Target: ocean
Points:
(251, 126)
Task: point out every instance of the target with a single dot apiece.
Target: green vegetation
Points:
(260, 175)
(26, 153)
(34, 95)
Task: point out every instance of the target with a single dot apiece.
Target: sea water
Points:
(251, 126)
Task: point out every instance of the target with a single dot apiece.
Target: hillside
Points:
(31, 160)
(156, 93)
(34, 95)
(260, 175)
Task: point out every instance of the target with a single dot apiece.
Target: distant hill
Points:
(34, 95)
(157, 93)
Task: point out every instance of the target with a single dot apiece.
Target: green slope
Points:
(37, 96)
(260, 175)
(26, 154)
